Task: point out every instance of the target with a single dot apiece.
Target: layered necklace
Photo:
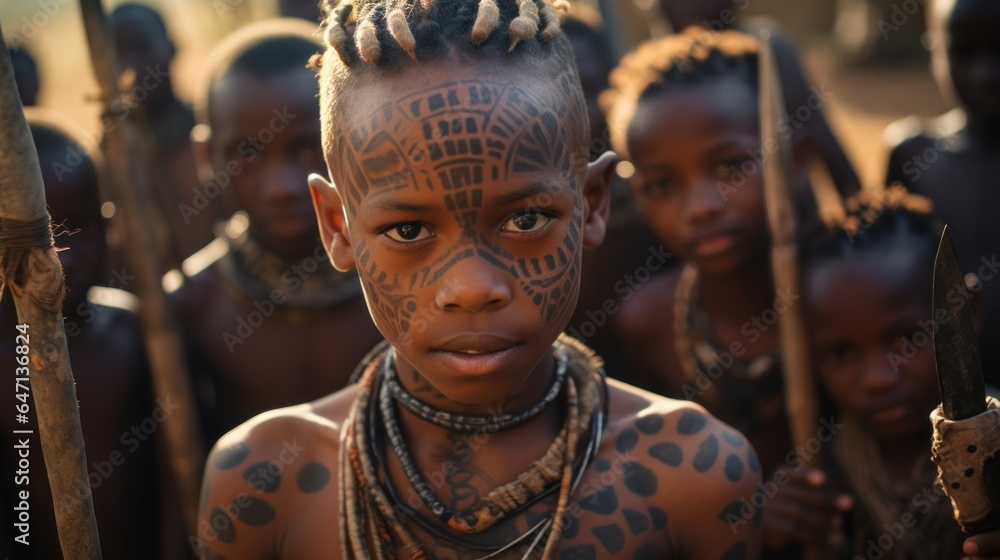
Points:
(372, 513)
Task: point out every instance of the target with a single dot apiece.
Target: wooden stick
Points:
(801, 402)
(127, 150)
(35, 278)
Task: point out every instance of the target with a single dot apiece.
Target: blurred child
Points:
(147, 51)
(952, 159)
(685, 111)
(461, 192)
(868, 295)
(269, 321)
(117, 411)
(804, 101)
(303, 9)
(628, 242)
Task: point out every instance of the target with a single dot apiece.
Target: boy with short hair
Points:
(461, 192)
(951, 159)
(263, 297)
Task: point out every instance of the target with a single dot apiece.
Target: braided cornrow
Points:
(685, 58)
(410, 24)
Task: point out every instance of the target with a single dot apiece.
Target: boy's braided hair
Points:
(872, 218)
(363, 35)
(687, 58)
(378, 31)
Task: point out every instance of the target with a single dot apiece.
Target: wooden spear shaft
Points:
(130, 181)
(801, 402)
(36, 282)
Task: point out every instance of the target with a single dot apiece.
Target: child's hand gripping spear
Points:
(967, 424)
(30, 268)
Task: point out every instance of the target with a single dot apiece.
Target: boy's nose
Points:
(473, 284)
(284, 184)
(879, 373)
(704, 202)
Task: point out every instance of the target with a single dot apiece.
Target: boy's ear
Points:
(200, 136)
(597, 198)
(332, 224)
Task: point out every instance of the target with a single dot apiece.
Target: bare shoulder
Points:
(265, 477)
(703, 471)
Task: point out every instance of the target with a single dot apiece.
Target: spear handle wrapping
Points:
(32, 271)
(130, 180)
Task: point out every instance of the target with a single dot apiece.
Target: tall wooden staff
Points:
(30, 267)
(127, 150)
(801, 402)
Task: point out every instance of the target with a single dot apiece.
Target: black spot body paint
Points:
(222, 525)
(256, 513)
(734, 468)
(264, 476)
(640, 480)
(691, 423)
(650, 425)
(231, 457)
(708, 452)
(611, 537)
(603, 502)
(730, 512)
(667, 453)
(602, 465)
(627, 440)
(637, 521)
(572, 527)
(579, 552)
(658, 517)
(312, 478)
(732, 438)
(645, 552)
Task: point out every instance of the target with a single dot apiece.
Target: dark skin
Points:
(861, 309)
(270, 187)
(408, 230)
(951, 159)
(685, 145)
(147, 51)
(114, 395)
(799, 94)
(305, 9)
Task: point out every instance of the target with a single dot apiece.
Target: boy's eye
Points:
(527, 221)
(729, 169)
(656, 189)
(837, 356)
(407, 233)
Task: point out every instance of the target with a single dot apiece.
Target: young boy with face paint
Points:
(952, 159)
(456, 139)
(266, 299)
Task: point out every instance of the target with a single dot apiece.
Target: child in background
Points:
(868, 295)
(952, 159)
(804, 102)
(117, 410)
(25, 74)
(269, 322)
(146, 50)
(628, 244)
(684, 109)
(456, 139)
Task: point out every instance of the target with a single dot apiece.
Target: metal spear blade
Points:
(956, 351)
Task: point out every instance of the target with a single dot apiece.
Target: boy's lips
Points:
(477, 354)
(712, 244)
